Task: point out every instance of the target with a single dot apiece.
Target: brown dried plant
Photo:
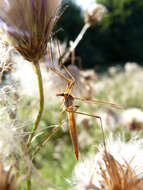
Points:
(118, 177)
(29, 24)
(7, 182)
(116, 166)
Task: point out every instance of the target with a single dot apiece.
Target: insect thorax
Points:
(68, 100)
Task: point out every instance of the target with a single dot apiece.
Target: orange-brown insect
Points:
(71, 109)
(68, 106)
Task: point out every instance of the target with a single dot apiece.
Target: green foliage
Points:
(124, 26)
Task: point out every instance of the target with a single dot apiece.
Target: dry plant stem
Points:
(75, 43)
(29, 183)
(40, 84)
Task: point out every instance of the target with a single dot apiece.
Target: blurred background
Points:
(115, 41)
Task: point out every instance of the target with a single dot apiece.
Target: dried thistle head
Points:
(7, 182)
(29, 24)
(117, 177)
(116, 168)
(95, 14)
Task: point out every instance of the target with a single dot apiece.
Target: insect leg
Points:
(98, 117)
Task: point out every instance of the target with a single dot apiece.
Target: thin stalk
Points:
(29, 183)
(38, 118)
(75, 43)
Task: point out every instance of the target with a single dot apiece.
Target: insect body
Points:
(71, 109)
(68, 106)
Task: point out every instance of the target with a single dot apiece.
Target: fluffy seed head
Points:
(29, 24)
(132, 118)
(95, 14)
